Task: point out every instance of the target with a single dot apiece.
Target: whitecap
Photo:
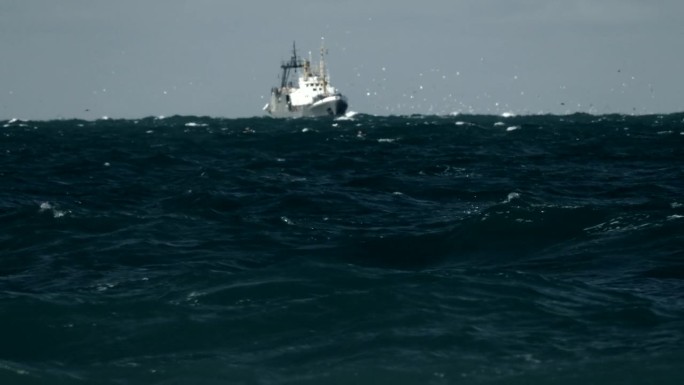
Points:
(511, 196)
(508, 115)
(193, 297)
(620, 225)
(105, 286)
(47, 206)
(512, 128)
(59, 213)
(13, 367)
(193, 124)
(347, 116)
(529, 358)
(386, 140)
(498, 124)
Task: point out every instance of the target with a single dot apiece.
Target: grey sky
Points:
(136, 58)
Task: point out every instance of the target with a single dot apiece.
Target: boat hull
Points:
(335, 105)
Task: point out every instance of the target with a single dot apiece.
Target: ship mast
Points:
(287, 66)
(324, 76)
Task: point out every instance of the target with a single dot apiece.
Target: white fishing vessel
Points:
(312, 95)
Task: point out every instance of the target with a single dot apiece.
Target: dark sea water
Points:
(366, 250)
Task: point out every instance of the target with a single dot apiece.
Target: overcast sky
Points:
(137, 58)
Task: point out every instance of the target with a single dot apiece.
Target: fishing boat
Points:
(311, 96)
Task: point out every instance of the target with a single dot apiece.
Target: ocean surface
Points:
(462, 249)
